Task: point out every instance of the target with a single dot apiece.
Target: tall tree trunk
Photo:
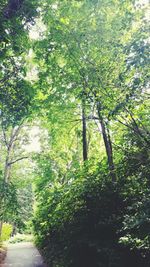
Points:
(7, 166)
(6, 180)
(84, 132)
(108, 144)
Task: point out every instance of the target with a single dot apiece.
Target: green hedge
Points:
(83, 223)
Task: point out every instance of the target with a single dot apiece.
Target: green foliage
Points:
(97, 222)
(91, 56)
(8, 200)
(6, 231)
(93, 51)
(24, 209)
(16, 92)
(137, 192)
(18, 108)
(65, 224)
(20, 238)
(82, 223)
(15, 95)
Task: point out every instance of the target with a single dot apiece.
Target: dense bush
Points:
(6, 231)
(85, 222)
(136, 223)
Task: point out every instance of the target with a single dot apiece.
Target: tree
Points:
(76, 52)
(16, 94)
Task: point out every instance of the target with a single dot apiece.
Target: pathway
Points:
(23, 255)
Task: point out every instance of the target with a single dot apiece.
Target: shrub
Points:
(93, 222)
(20, 238)
(6, 231)
(77, 225)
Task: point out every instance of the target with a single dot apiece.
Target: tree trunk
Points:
(7, 166)
(6, 180)
(84, 132)
(108, 145)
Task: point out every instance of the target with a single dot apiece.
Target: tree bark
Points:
(8, 163)
(6, 176)
(108, 144)
(84, 132)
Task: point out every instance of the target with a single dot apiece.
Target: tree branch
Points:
(136, 130)
(4, 135)
(14, 161)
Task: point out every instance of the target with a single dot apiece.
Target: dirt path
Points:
(23, 255)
